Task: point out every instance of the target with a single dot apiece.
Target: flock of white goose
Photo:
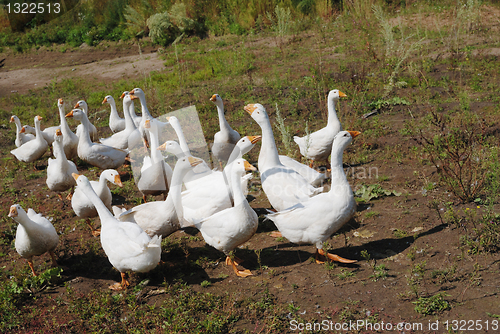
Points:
(213, 201)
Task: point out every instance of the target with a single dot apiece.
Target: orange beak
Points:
(213, 98)
(118, 181)
(133, 97)
(147, 124)
(248, 167)
(254, 139)
(58, 132)
(75, 176)
(70, 114)
(162, 147)
(354, 134)
(39, 117)
(23, 130)
(11, 119)
(77, 105)
(60, 101)
(122, 96)
(194, 161)
(342, 94)
(105, 100)
(250, 108)
(13, 211)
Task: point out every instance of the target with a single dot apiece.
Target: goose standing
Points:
(98, 155)
(35, 235)
(229, 228)
(163, 218)
(226, 138)
(120, 139)
(116, 123)
(60, 169)
(33, 149)
(70, 140)
(126, 245)
(131, 110)
(315, 220)
(283, 186)
(318, 145)
(156, 174)
(79, 129)
(21, 136)
(84, 208)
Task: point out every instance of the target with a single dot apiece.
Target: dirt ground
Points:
(320, 292)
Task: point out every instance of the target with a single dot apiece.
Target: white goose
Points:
(226, 138)
(229, 228)
(98, 155)
(131, 111)
(33, 149)
(35, 235)
(315, 220)
(156, 174)
(126, 245)
(21, 136)
(79, 129)
(47, 133)
(84, 208)
(318, 145)
(120, 139)
(70, 140)
(283, 186)
(60, 169)
(116, 123)
(162, 217)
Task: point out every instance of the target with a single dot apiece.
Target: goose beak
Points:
(70, 114)
(23, 129)
(131, 92)
(162, 147)
(248, 167)
(77, 105)
(60, 101)
(213, 98)
(11, 119)
(147, 124)
(122, 96)
(39, 117)
(254, 139)
(250, 108)
(13, 211)
(133, 97)
(105, 100)
(354, 134)
(75, 176)
(194, 161)
(118, 181)
(58, 132)
(342, 94)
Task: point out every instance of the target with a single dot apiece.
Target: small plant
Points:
(379, 272)
(370, 214)
(344, 273)
(205, 284)
(367, 193)
(285, 132)
(399, 233)
(381, 103)
(432, 305)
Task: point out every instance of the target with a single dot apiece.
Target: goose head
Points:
(13, 118)
(38, 119)
(82, 105)
(81, 181)
(335, 94)
(124, 94)
(108, 99)
(172, 147)
(25, 129)
(217, 100)
(15, 210)
(77, 114)
(138, 93)
(258, 112)
(344, 138)
(60, 102)
(245, 144)
(112, 176)
(58, 136)
(242, 166)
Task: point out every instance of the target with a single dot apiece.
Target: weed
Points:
(379, 272)
(344, 273)
(432, 305)
(367, 193)
(285, 132)
(372, 213)
(205, 284)
(399, 233)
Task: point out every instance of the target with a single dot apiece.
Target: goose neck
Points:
(58, 149)
(85, 136)
(238, 196)
(223, 124)
(268, 151)
(333, 119)
(64, 124)
(101, 208)
(338, 177)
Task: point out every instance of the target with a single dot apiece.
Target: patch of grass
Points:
(367, 193)
(371, 214)
(344, 273)
(432, 305)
